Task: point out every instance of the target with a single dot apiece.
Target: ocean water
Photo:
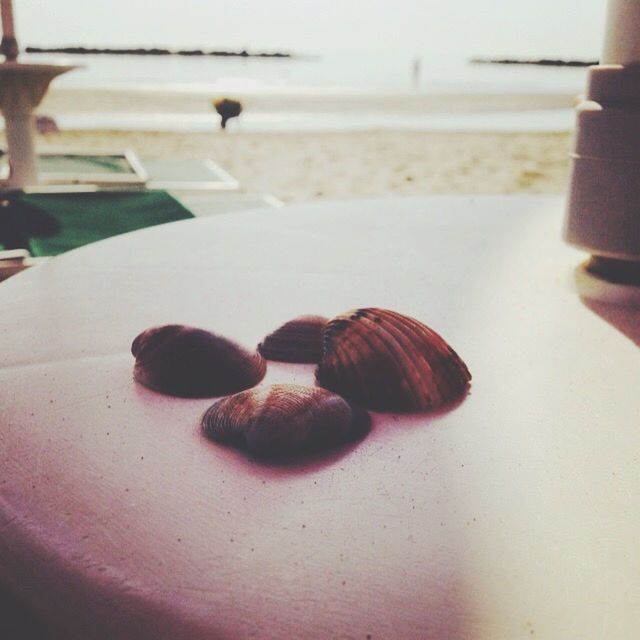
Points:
(437, 73)
(367, 46)
(317, 75)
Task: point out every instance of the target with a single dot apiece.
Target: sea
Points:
(321, 76)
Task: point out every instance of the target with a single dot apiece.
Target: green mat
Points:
(52, 223)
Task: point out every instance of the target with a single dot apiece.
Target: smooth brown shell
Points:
(283, 420)
(386, 361)
(299, 340)
(194, 363)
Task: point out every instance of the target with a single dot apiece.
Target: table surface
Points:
(512, 515)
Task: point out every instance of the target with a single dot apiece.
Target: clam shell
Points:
(282, 420)
(386, 361)
(189, 362)
(299, 340)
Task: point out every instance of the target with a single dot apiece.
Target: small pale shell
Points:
(386, 361)
(299, 340)
(188, 362)
(283, 420)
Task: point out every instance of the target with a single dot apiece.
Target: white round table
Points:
(511, 514)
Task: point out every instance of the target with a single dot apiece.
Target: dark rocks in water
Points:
(80, 50)
(153, 51)
(227, 108)
(542, 62)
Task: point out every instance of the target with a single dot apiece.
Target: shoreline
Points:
(187, 99)
(302, 110)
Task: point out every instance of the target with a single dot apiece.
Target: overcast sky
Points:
(567, 28)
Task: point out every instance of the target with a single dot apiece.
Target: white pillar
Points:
(23, 168)
(622, 33)
(603, 208)
(22, 87)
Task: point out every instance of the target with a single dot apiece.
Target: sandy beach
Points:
(296, 166)
(303, 166)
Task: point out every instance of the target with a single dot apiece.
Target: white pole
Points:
(23, 168)
(9, 45)
(622, 33)
(603, 207)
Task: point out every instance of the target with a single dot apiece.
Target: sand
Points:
(302, 166)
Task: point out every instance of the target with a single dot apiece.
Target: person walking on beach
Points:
(227, 109)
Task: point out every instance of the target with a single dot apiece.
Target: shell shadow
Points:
(313, 462)
(413, 419)
(310, 462)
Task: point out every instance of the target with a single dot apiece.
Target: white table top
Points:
(513, 514)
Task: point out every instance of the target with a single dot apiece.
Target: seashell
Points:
(193, 363)
(299, 340)
(284, 419)
(389, 362)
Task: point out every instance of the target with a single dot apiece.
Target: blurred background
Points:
(339, 99)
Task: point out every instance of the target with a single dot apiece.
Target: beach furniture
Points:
(115, 168)
(508, 515)
(125, 168)
(209, 204)
(87, 197)
(188, 175)
(47, 224)
(22, 87)
(41, 223)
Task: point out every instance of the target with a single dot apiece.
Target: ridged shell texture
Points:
(281, 420)
(386, 361)
(299, 340)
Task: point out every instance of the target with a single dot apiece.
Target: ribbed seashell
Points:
(386, 361)
(194, 363)
(299, 340)
(283, 420)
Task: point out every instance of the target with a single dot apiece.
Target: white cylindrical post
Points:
(23, 168)
(603, 208)
(622, 33)
(22, 87)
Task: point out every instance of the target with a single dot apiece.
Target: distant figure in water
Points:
(415, 72)
(227, 108)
